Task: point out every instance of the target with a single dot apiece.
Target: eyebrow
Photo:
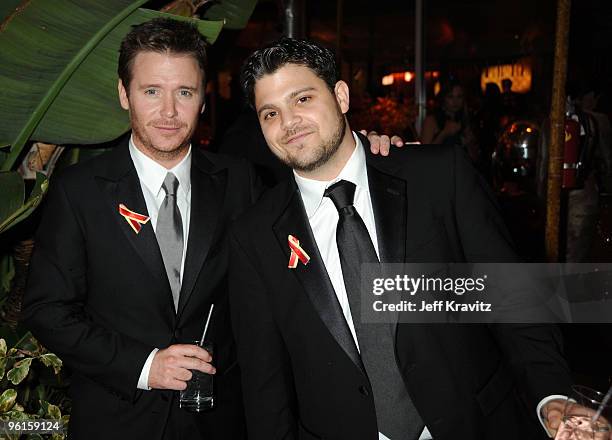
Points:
(263, 108)
(289, 97)
(146, 86)
(297, 92)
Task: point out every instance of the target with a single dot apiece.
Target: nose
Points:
(168, 108)
(290, 119)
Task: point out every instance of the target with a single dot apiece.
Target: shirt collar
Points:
(152, 174)
(354, 171)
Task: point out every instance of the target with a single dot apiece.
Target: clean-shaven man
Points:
(310, 369)
(131, 254)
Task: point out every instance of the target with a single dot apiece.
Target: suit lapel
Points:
(313, 276)
(389, 203)
(207, 195)
(119, 181)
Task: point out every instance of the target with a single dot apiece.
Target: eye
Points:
(269, 115)
(303, 99)
(186, 93)
(151, 92)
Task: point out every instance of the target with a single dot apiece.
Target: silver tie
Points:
(169, 234)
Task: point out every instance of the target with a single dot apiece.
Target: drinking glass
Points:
(199, 395)
(582, 418)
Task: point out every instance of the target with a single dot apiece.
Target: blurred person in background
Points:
(510, 100)
(450, 123)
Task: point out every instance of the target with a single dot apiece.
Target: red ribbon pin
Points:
(297, 253)
(134, 219)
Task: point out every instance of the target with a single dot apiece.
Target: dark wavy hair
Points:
(161, 35)
(446, 88)
(287, 51)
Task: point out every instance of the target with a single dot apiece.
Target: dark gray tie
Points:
(396, 415)
(169, 234)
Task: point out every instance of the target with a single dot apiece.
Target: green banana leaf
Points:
(58, 81)
(12, 206)
(12, 195)
(235, 13)
(7, 7)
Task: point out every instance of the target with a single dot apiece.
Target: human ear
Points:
(341, 91)
(123, 96)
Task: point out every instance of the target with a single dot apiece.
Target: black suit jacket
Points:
(301, 372)
(98, 294)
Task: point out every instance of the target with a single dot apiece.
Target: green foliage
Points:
(13, 208)
(50, 411)
(29, 398)
(13, 193)
(7, 400)
(19, 371)
(51, 360)
(235, 13)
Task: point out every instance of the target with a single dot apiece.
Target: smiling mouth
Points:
(167, 129)
(297, 138)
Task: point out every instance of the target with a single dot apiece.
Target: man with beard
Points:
(131, 254)
(311, 369)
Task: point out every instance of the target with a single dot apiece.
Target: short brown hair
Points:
(161, 35)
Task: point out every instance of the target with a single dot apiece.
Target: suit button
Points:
(364, 391)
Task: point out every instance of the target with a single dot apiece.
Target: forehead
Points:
(284, 81)
(166, 66)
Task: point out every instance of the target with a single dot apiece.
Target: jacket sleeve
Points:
(54, 304)
(533, 351)
(266, 379)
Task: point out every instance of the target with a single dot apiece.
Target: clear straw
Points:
(212, 306)
(602, 405)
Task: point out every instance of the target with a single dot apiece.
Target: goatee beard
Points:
(325, 151)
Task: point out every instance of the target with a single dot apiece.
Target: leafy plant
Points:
(30, 377)
(13, 205)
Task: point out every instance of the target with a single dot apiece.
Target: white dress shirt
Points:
(323, 219)
(151, 176)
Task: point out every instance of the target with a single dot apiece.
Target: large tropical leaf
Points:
(12, 194)
(20, 211)
(58, 81)
(7, 7)
(235, 13)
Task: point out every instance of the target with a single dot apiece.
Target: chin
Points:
(306, 164)
(169, 145)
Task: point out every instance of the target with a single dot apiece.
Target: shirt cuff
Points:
(543, 402)
(143, 380)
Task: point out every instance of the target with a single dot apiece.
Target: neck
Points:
(330, 169)
(168, 159)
